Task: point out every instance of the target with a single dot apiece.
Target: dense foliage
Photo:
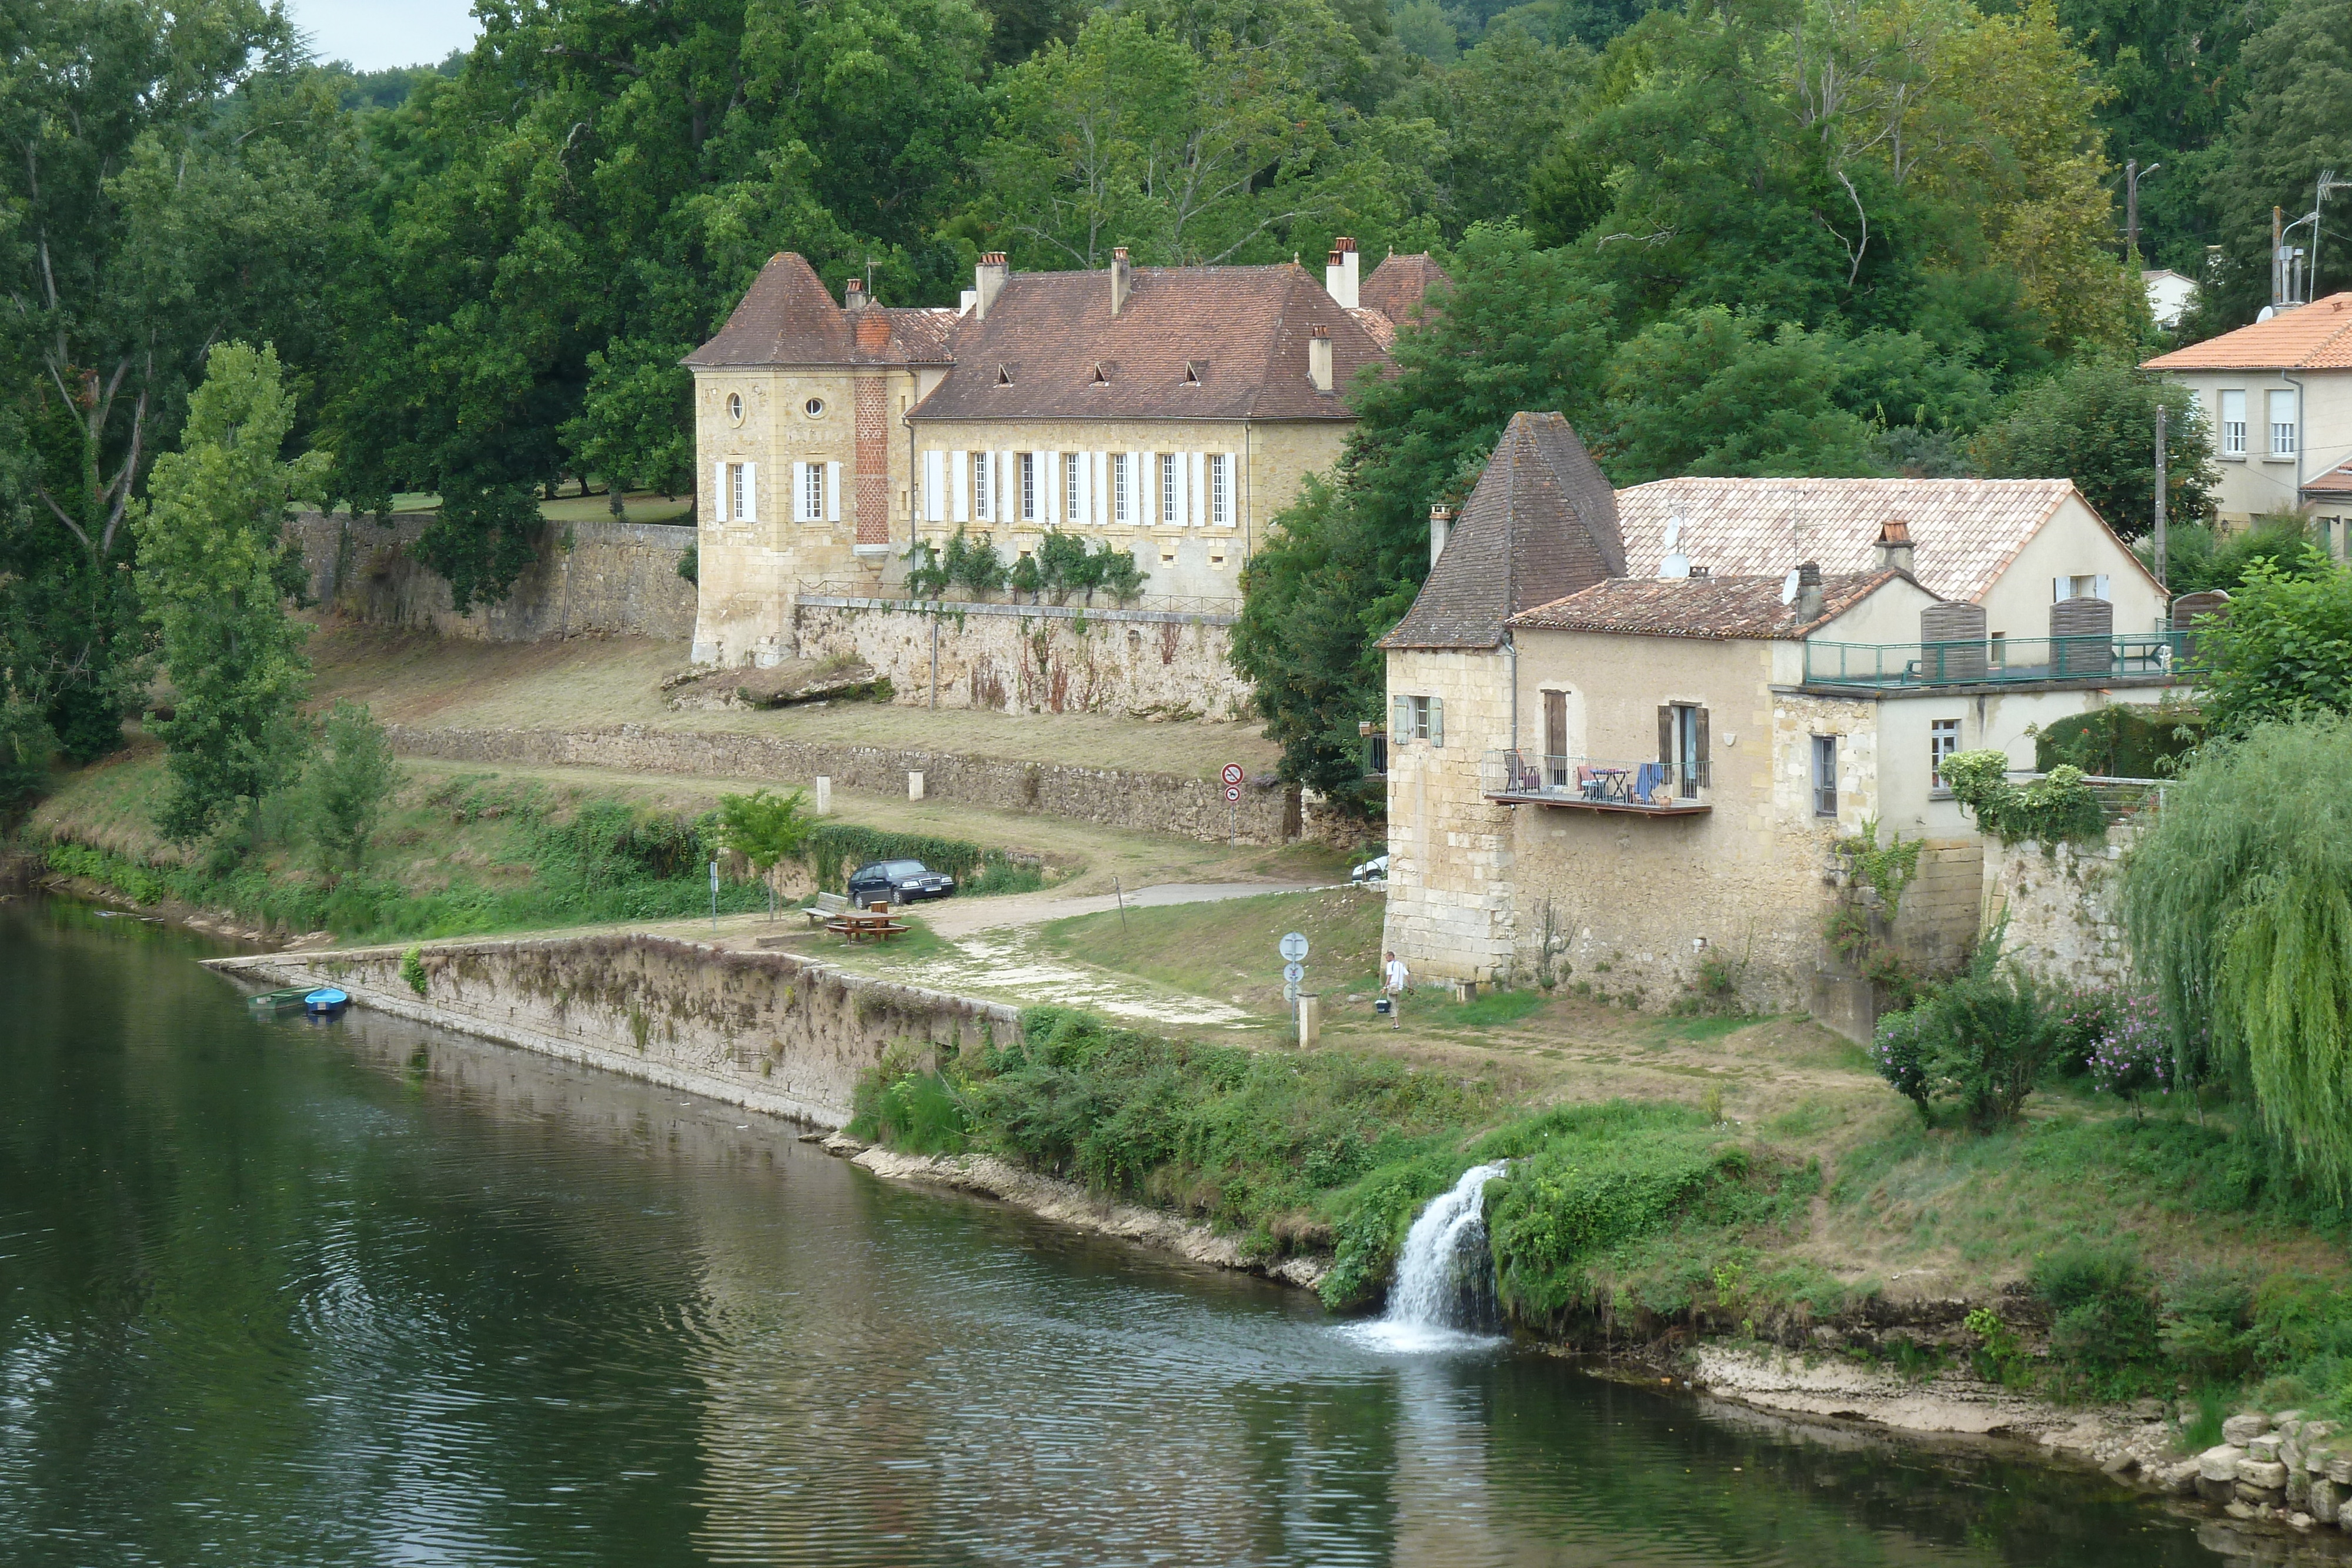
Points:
(1980, 1040)
(2284, 649)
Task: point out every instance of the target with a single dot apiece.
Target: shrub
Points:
(2284, 650)
(350, 781)
(2134, 1055)
(1982, 1041)
(926, 576)
(689, 564)
(2083, 1017)
(2208, 1328)
(1899, 1050)
(2056, 807)
(2103, 1325)
(918, 1111)
(2121, 740)
(412, 970)
(973, 564)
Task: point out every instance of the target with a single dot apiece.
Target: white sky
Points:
(376, 34)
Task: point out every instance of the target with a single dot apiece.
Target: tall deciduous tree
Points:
(2094, 422)
(209, 533)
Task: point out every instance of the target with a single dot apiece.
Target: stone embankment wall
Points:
(2060, 901)
(1029, 658)
(769, 1031)
(590, 579)
(1267, 812)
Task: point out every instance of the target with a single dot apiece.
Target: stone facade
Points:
(1006, 658)
(2059, 900)
(601, 577)
(1267, 813)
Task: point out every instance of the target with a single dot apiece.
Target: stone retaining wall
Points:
(601, 577)
(1029, 658)
(773, 1031)
(2060, 901)
(1267, 812)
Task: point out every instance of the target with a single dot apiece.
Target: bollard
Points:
(913, 786)
(1310, 1019)
(824, 794)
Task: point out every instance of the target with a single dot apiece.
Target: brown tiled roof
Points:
(786, 318)
(2314, 337)
(2335, 485)
(1240, 331)
(1965, 531)
(1713, 607)
(1378, 327)
(1541, 525)
(1398, 284)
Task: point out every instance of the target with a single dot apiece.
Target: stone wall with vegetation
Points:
(770, 1030)
(1030, 658)
(2060, 902)
(596, 579)
(1267, 813)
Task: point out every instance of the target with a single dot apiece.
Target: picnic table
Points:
(860, 924)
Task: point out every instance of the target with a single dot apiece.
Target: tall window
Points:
(2233, 424)
(1122, 508)
(1825, 776)
(1167, 460)
(1943, 739)
(1419, 718)
(738, 489)
(1683, 742)
(1028, 487)
(982, 462)
(1074, 488)
(1220, 491)
(812, 491)
(2282, 412)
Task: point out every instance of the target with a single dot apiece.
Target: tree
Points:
(2283, 651)
(633, 426)
(2094, 422)
(1711, 393)
(208, 533)
(350, 777)
(2238, 905)
(765, 829)
(1342, 562)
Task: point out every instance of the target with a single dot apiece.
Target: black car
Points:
(898, 882)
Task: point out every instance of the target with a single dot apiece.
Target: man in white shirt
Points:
(1394, 977)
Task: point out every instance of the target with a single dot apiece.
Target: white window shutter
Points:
(1099, 488)
(718, 494)
(1086, 462)
(1051, 512)
(2101, 585)
(934, 474)
(2057, 591)
(833, 492)
(1437, 721)
(750, 492)
(1233, 490)
(959, 487)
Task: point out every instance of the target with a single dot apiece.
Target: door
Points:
(1555, 725)
(1682, 747)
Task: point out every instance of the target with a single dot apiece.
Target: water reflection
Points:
(271, 1293)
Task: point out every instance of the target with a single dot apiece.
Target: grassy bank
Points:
(2102, 1255)
(1230, 948)
(460, 853)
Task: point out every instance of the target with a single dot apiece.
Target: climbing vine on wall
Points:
(2058, 806)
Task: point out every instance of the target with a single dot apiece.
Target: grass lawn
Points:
(1229, 949)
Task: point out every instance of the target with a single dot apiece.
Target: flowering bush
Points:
(1899, 1050)
(2133, 1057)
(2084, 1018)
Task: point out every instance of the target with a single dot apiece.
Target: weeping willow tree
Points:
(2238, 904)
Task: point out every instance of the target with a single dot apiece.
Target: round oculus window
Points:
(813, 408)
(735, 408)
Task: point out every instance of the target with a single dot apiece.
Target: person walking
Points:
(1394, 978)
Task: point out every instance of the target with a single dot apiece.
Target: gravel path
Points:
(956, 917)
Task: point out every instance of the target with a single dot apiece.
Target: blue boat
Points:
(325, 1002)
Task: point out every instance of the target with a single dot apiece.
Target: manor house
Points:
(1171, 412)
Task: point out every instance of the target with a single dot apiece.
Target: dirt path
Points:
(962, 916)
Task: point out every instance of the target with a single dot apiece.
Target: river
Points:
(276, 1292)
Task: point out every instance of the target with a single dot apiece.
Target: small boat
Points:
(325, 1002)
(278, 1001)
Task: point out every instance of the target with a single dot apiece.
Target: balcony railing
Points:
(1596, 783)
(1998, 661)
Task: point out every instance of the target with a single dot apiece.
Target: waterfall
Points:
(1444, 1293)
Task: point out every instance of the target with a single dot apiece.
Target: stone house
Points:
(2277, 396)
(1168, 412)
(1627, 728)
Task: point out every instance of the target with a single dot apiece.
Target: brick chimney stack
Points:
(1121, 278)
(1808, 593)
(1895, 544)
(853, 294)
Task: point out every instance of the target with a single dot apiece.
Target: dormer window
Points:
(1004, 375)
(1191, 372)
(1101, 380)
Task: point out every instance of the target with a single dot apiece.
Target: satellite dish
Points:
(1674, 535)
(1789, 587)
(2266, 312)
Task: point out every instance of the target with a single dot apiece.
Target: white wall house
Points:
(2278, 397)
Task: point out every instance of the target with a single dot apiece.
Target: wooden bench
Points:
(828, 907)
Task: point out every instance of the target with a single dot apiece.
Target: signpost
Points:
(1293, 966)
(714, 897)
(1233, 777)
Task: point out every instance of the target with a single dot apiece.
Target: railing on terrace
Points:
(1596, 783)
(1997, 660)
(896, 592)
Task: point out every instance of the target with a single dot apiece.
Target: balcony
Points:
(1998, 661)
(1644, 788)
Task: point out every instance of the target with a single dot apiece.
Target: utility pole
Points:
(2133, 175)
(2160, 539)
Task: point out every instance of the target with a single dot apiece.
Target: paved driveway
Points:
(954, 918)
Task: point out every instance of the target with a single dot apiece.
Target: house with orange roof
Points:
(1627, 729)
(2278, 398)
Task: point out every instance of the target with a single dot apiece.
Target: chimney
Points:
(1121, 277)
(987, 278)
(853, 294)
(1319, 359)
(1808, 593)
(874, 331)
(1339, 273)
(1441, 524)
(1895, 544)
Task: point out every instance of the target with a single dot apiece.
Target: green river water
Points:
(274, 1292)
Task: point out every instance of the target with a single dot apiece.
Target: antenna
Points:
(1674, 534)
(1789, 587)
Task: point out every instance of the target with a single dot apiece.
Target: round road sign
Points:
(1232, 792)
(1293, 973)
(1233, 773)
(1294, 947)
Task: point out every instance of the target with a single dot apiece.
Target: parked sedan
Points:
(1375, 870)
(898, 882)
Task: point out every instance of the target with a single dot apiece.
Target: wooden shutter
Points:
(718, 494)
(833, 492)
(1232, 489)
(1437, 721)
(1401, 720)
(1705, 768)
(1555, 706)
(1049, 509)
(750, 492)
(1140, 481)
(1666, 734)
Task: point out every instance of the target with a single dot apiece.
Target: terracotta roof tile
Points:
(2314, 337)
(1541, 524)
(1718, 608)
(1965, 531)
(787, 318)
(1399, 284)
(2337, 483)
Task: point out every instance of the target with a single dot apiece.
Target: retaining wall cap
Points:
(2220, 1463)
(2239, 1429)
